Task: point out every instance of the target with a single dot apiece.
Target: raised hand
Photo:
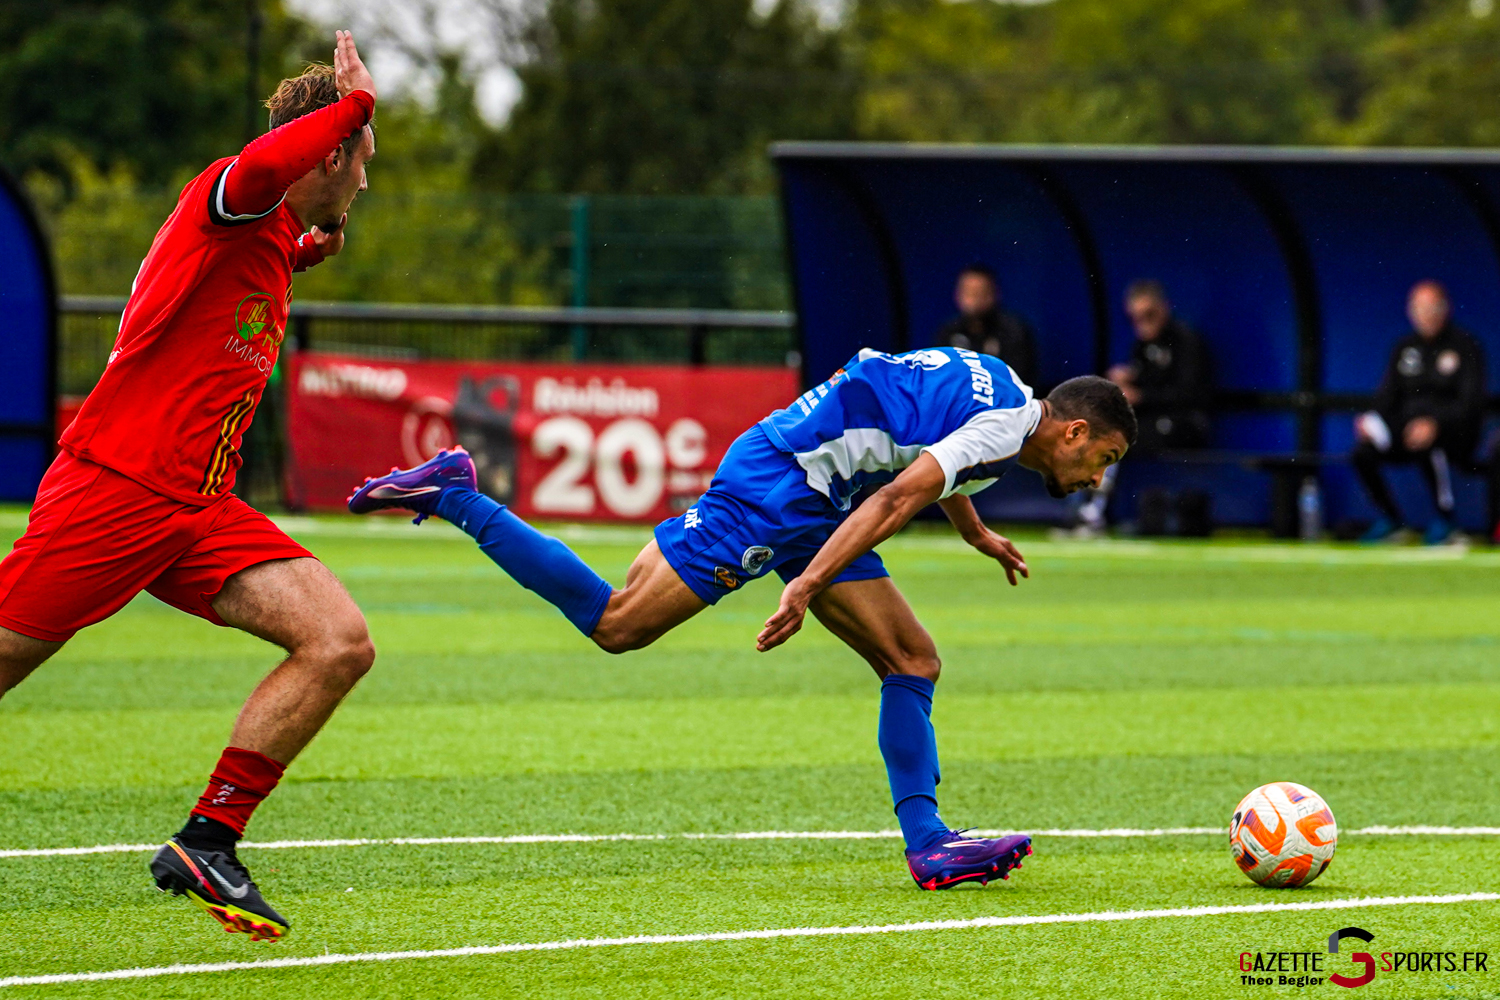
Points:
(349, 73)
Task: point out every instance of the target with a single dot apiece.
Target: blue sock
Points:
(911, 763)
(542, 565)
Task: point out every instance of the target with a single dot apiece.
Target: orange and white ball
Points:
(1283, 835)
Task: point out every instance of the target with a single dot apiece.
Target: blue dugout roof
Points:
(1293, 263)
(28, 352)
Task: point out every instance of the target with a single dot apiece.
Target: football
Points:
(1283, 835)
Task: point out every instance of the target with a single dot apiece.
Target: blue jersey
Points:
(880, 412)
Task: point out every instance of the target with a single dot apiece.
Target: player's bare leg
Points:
(20, 655)
(653, 602)
(874, 619)
(299, 605)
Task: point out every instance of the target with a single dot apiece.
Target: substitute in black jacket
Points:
(1167, 378)
(981, 325)
(1429, 409)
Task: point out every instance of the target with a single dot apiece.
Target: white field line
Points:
(1106, 916)
(592, 838)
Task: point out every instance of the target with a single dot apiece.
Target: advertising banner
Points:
(566, 441)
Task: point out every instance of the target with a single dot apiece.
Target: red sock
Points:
(242, 779)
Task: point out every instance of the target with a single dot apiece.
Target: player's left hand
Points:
(330, 243)
(787, 621)
(1000, 549)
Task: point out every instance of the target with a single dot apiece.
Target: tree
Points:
(156, 86)
(1132, 71)
(1437, 84)
(666, 96)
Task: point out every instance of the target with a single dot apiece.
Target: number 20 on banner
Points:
(564, 490)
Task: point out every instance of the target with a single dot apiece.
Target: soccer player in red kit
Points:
(138, 498)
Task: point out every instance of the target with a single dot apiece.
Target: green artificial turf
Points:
(1124, 685)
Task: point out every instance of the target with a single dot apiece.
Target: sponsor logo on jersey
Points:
(726, 578)
(755, 558)
(255, 319)
(692, 519)
(257, 337)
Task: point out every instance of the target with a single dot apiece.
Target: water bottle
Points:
(1309, 510)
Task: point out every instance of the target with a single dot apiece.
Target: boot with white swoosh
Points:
(418, 488)
(216, 881)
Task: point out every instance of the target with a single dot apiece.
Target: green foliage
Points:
(108, 106)
(148, 85)
(1128, 71)
(1438, 83)
(666, 96)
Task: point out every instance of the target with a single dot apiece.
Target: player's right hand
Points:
(349, 72)
(1003, 551)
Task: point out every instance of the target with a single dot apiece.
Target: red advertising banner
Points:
(606, 442)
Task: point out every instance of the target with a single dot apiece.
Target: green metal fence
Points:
(580, 250)
(703, 253)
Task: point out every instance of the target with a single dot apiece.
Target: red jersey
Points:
(207, 315)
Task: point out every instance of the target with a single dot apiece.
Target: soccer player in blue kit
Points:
(930, 425)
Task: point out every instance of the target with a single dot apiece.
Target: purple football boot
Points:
(967, 859)
(416, 488)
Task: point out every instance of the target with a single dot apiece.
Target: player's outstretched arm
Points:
(270, 164)
(877, 519)
(960, 511)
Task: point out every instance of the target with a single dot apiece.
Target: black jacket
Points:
(1171, 372)
(1443, 378)
(1003, 334)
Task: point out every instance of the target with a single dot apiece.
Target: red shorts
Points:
(96, 539)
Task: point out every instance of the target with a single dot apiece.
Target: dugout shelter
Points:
(28, 346)
(1294, 264)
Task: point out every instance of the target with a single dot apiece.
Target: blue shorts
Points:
(759, 514)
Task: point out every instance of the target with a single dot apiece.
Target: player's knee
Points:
(618, 637)
(925, 664)
(346, 653)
